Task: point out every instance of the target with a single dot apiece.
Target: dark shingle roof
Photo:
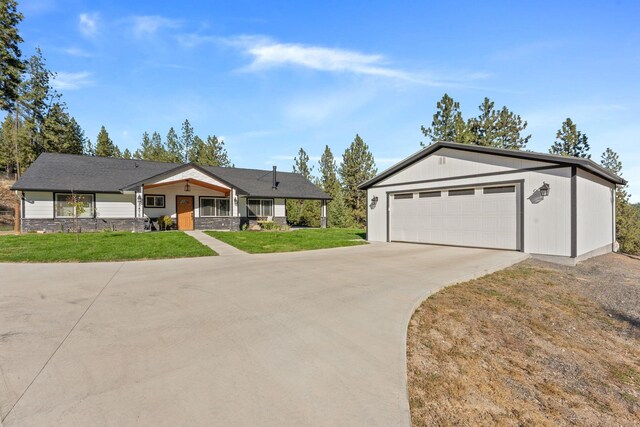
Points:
(586, 164)
(65, 172)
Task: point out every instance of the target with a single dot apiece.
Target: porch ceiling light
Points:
(187, 187)
(544, 190)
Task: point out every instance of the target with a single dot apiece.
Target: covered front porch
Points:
(195, 199)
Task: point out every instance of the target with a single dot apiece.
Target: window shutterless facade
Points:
(153, 201)
(214, 206)
(259, 207)
(64, 206)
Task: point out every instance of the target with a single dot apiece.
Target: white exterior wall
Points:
(38, 204)
(450, 163)
(115, 205)
(547, 222)
(171, 191)
(595, 200)
(279, 208)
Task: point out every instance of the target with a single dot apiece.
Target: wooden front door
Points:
(184, 210)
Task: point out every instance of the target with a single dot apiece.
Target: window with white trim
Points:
(64, 206)
(153, 201)
(214, 206)
(259, 207)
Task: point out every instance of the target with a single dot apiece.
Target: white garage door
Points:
(484, 217)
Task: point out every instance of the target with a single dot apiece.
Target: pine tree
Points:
(301, 164)
(627, 221)
(11, 65)
(127, 154)
(357, 167)
(104, 145)
(210, 152)
(159, 151)
(447, 124)
(174, 150)
(570, 141)
(483, 127)
(508, 131)
(55, 130)
(303, 212)
(31, 110)
(328, 172)
(187, 140)
(338, 213)
(76, 140)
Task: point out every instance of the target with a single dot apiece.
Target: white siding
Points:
(38, 204)
(595, 198)
(279, 208)
(115, 205)
(171, 191)
(547, 222)
(190, 174)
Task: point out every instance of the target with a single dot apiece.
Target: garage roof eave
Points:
(586, 164)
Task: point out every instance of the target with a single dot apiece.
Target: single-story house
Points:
(554, 207)
(124, 194)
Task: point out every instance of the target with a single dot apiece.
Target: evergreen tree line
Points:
(183, 148)
(504, 129)
(348, 207)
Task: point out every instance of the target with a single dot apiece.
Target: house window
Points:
(498, 190)
(464, 192)
(426, 194)
(214, 206)
(259, 207)
(153, 201)
(64, 205)
(403, 196)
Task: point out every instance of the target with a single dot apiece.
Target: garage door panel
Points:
(482, 220)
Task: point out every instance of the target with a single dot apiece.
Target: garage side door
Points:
(484, 217)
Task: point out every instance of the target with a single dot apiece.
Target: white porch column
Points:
(323, 215)
(234, 203)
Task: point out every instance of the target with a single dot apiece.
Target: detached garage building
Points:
(555, 207)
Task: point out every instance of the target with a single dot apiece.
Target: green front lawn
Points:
(262, 242)
(116, 246)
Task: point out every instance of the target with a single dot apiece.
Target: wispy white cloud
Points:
(266, 53)
(149, 25)
(74, 51)
(71, 81)
(88, 24)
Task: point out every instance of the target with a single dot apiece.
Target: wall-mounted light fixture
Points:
(374, 201)
(187, 187)
(544, 190)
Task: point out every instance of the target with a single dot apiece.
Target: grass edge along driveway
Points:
(263, 242)
(100, 246)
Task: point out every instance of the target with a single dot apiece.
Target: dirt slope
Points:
(535, 344)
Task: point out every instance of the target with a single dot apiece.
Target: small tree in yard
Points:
(76, 203)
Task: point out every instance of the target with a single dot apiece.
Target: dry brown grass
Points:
(533, 345)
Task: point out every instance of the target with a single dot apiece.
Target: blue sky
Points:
(271, 77)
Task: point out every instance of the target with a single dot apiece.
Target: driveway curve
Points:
(309, 338)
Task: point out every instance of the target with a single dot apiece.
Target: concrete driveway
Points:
(309, 338)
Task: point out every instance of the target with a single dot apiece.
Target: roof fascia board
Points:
(429, 150)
